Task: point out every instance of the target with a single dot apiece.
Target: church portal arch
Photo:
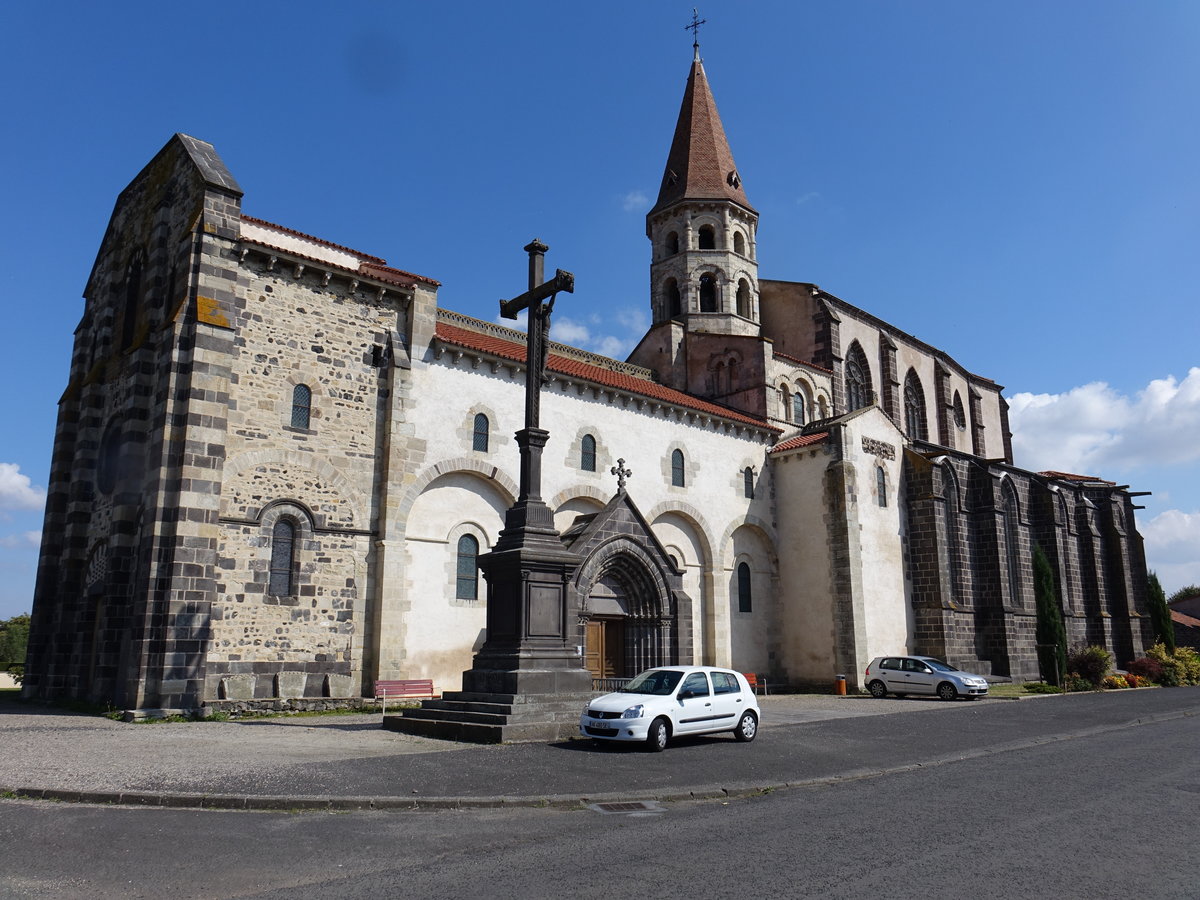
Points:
(627, 610)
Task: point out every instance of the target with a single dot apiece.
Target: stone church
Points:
(277, 460)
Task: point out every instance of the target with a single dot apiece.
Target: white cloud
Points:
(1173, 548)
(1092, 428)
(22, 541)
(17, 491)
(634, 201)
(808, 198)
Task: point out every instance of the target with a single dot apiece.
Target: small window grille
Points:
(283, 555)
(678, 473)
(479, 440)
(467, 581)
(745, 603)
(301, 406)
(587, 454)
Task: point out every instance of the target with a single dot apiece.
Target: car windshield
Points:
(941, 666)
(660, 682)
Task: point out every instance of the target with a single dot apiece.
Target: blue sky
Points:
(1014, 182)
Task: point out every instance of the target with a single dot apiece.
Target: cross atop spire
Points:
(694, 28)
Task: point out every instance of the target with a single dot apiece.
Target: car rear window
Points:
(889, 663)
(725, 683)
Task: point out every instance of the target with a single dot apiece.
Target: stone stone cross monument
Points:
(531, 644)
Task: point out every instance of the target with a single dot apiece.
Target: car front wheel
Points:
(878, 689)
(747, 727)
(947, 691)
(656, 737)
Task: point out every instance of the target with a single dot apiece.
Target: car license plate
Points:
(599, 723)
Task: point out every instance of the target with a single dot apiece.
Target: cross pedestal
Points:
(528, 680)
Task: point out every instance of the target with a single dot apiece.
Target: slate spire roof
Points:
(700, 165)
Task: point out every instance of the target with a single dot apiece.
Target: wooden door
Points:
(604, 651)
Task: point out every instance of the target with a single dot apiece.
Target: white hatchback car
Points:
(671, 701)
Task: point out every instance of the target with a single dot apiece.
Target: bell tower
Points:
(703, 269)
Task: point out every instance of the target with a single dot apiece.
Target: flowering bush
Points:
(1090, 663)
(1115, 682)
(1180, 667)
(1135, 681)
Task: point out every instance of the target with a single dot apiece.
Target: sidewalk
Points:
(350, 762)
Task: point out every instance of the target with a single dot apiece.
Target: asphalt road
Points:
(1084, 797)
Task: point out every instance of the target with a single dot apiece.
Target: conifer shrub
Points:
(1091, 663)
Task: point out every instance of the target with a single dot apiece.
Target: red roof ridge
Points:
(365, 257)
(801, 362)
(800, 440)
(498, 346)
(365, 269)
(1068, 476)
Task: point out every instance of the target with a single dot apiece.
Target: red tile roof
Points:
(371, 266)
(308, 237)
(803, 440)
(506, 349)
(1067, 476)
(800, 362)
(700, 165)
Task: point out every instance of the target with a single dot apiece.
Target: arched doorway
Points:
(628, 617)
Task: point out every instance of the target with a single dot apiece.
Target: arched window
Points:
(109, 462)
(881, 485)
(708, 293)
(133, 301)
(743, 299)
(858, 379)
(708, 238)
(953, 548)
(739, 243)
(283, 557)
(678, 474)
(479, 437)
(748, 483)
(1011, 544)
(914, 407)
(960, 416)
(799, 408)
(745, 604)
(674, 303)
(587, 453)
(672, 243)
(466, 585)
(301, 406)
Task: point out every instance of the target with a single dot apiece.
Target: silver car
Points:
(900, 675)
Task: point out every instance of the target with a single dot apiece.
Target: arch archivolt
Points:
(626, 559)
(238, 467)
(761, 531)
(462, 465)
(697, 526)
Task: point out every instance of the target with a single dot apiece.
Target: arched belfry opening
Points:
(628, 594)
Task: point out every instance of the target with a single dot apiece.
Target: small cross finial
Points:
(694, 28)
(622, 473)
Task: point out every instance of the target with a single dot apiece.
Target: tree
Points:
(1192, 590)
(14, 638)
(1051, 635)
(1160, 614)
